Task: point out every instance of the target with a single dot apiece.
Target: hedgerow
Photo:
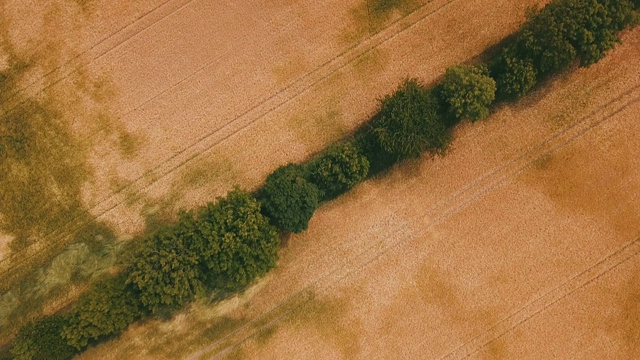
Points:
(557, 35)
(226, 245)
(168, 272)
(468, 91)
(105, 310)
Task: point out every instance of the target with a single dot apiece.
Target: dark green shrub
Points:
(468, 91)
(409, 122)
(592, 26)
(553, 37)
(339, 169)
(542, 40)
(43, 340)
(367, 143)
(167, 272)
(239, 242)
(288, 199)
(105, 310)
(514, 76)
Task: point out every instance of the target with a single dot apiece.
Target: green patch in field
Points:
(221, 327)
(316, 128)
(440, 290)
(371, 63)
(235, 354)
(210, 174)
(371, 16)
(265, 334)
(87, 6)
(203, 171)
(624, 319)
(543, 162)
(129, 144)
(327, 316)
(43, 173)
(289, 69)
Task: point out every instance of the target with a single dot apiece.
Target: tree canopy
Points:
(555, 36)
(514, 76)
(288, 199)
(42, 340)
(167, 272)
(107, 309)
(339, 169)
(239, 242)
(409, 122)
(468, 91)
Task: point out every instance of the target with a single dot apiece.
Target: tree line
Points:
(224, 246)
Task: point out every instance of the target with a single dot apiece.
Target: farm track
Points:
(215, 137)
(452, 204)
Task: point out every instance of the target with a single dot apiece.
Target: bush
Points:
(514, 76)
(43, 340)
(367, 144)
(107, 309)
(409, 122)
(468, 91)
(239, 242)
(339, 169)
(553, 37)
(542, 40)
(167, 272)
(288, 199)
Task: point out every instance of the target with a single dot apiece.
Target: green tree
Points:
(409, 122)
(288, 199)
(542, 40)
(107, 309)
(167, 272)
(42, 340)
(468, 91)
(593, 26)
(553, 37)
(239, 242)
(339, 169)
(514, 76)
